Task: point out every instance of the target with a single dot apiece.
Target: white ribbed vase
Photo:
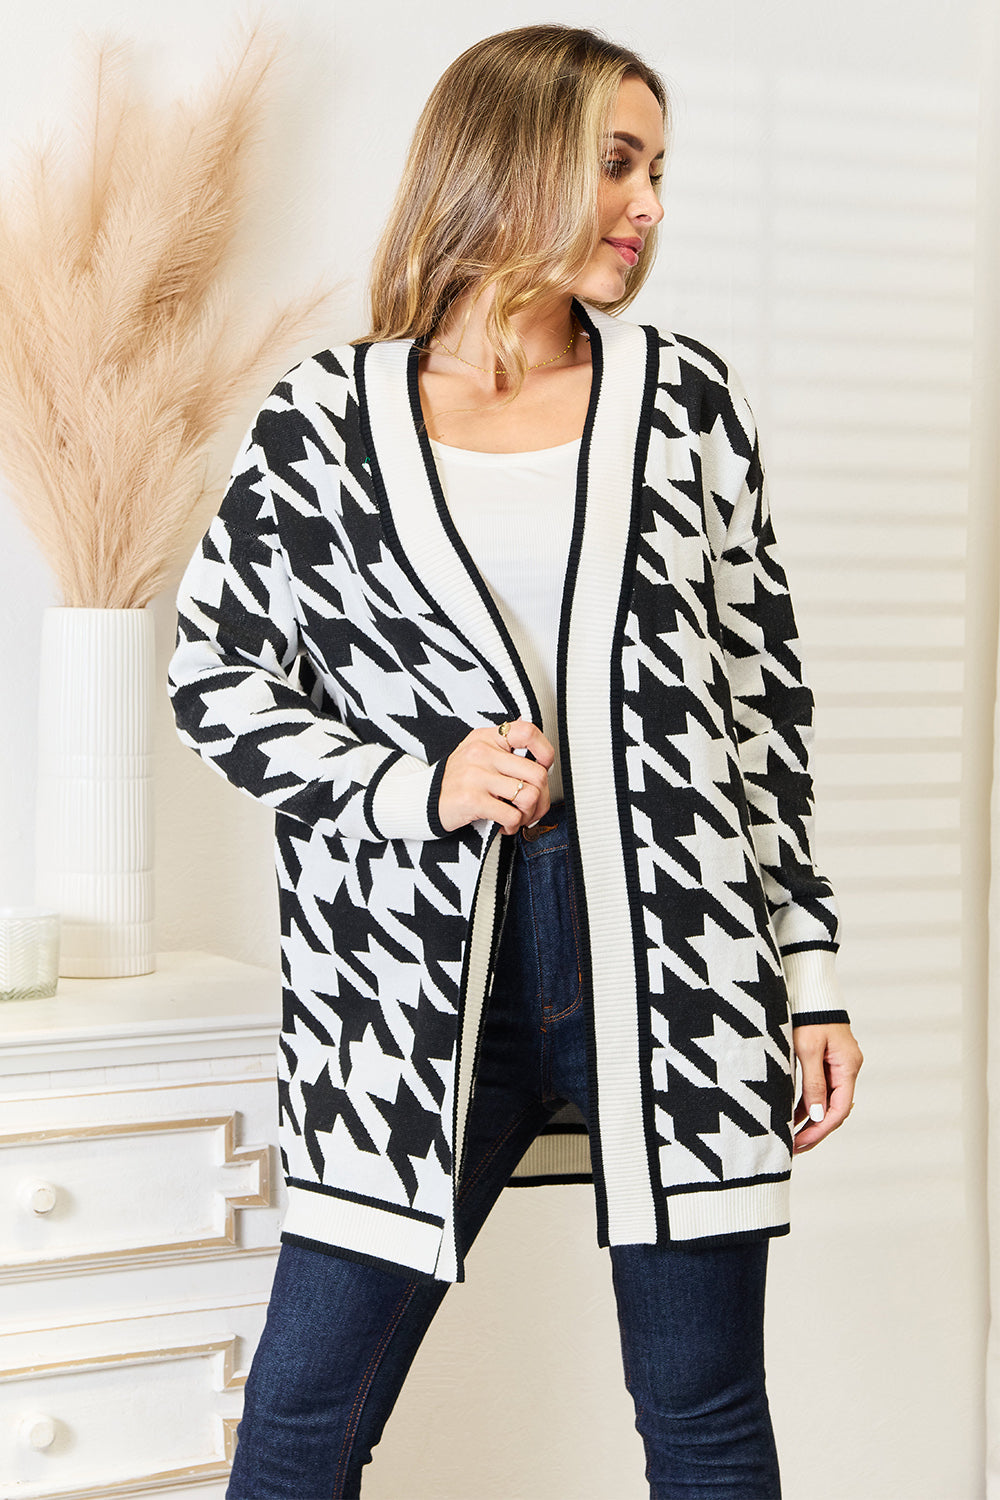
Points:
(94, 857)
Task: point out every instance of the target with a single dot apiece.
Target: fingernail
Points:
(816, 1112)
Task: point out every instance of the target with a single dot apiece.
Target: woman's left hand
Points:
(829, 1062)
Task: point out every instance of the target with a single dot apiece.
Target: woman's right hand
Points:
(481, 775)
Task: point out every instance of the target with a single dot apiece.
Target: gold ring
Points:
(520, 784)
(504, 728)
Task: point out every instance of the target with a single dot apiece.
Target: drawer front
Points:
(134, 1176)
(126, 1406)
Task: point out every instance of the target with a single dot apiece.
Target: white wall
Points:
(823, 220)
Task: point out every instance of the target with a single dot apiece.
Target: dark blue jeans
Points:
(340, 1336)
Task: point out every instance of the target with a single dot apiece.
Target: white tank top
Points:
(514, 512)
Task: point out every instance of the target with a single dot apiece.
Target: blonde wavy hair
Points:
(501, 184)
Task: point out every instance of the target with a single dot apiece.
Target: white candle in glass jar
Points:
(29, 952)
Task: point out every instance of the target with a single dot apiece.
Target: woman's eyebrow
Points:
(635, 143)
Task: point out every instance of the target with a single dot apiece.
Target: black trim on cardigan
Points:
(562, 649)
(388, 526)
(724, 1184)
(463, 990)
(724, 1241)
(433, 798)
(505, 866)
(586, 1178)
(630, 858)
(451, 531)
(367, 803)
(821, 1018)
(323, 1190)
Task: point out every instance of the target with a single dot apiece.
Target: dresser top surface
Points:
(188, 994)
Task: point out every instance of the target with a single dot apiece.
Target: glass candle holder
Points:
(29, 953)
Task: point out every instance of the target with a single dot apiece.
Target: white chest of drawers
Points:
(140, 1205)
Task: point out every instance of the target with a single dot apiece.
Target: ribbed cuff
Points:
(813, 990)
(433, 798)
(401, 804)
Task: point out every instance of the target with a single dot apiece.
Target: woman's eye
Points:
(614, 166)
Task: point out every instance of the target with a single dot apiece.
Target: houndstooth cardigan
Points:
(335, 644)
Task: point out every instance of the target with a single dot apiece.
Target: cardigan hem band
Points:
(694, 1215)
(391, 1267)
(562, 1154)
(384, 1234)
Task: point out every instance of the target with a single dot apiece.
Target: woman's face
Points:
(627, 204)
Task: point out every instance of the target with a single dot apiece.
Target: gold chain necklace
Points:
(482, 369)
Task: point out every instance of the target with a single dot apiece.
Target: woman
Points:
(492, 616)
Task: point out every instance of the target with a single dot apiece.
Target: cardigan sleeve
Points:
(238, 688)
(773, 713)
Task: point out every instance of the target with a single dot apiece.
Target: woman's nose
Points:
(647, 207)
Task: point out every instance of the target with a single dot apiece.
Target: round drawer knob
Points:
(38, 1431)
(37, 1197)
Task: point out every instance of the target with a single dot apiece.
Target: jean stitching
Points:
(550, 849)
(534, 927)
(354, 1416)
(544, 1019)
(537, 853)
(574, 914)
(546, 1069)
(575, 1002)
(638, 1405)
(501, 1140)
(562, 1014)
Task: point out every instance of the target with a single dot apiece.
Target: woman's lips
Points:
(627, 249)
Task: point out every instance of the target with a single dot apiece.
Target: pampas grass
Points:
(120, 350)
